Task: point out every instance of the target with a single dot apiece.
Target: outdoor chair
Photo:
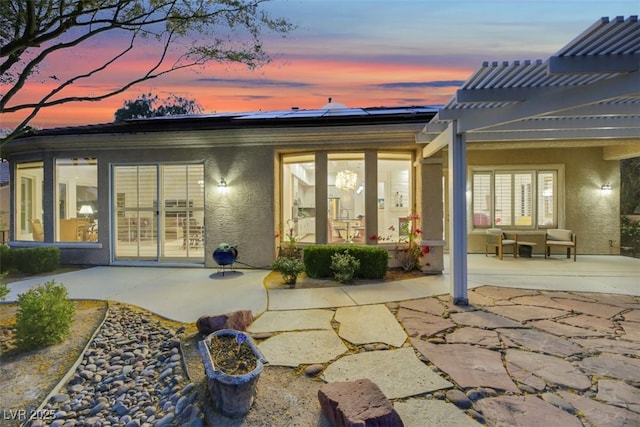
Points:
(497, 238)
(559, 238)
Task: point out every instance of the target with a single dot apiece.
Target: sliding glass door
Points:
(158, 212)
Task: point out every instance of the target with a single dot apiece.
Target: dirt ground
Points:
(27, 378)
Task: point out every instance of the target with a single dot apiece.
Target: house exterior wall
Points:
(592, 215)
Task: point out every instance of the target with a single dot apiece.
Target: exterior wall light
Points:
(606, 188)
(222, 186)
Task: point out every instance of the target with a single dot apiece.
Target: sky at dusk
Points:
(362, 53)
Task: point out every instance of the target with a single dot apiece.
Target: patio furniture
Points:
(561, 238)
(525, 249)
(498, 239)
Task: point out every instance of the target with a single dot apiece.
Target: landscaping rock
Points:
(238, 320)
(357, 403)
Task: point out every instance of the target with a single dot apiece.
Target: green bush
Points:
(35, 260)
(344, 267)
(289, 268)
(374, 261)
(6, 258)
(44, 316)
(4, 289)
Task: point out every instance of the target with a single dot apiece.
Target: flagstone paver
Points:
(419, 324)
(592, 308)
(398, 373)
(539, 301)
(428, 305)
(525, 377)
(467, 365)
(298, 348)
(620, 394)
(482, 319)
(432, 413)
(474, 336)
(632, 316)
(631, 331)
(451, 307)
(523, 313)
(524, 411)
(498, 293)
(540, 341)
(476, 299)
(563, 330)
(591, 322)
(608, 345)
(370, 324)
(292, 320)
(600, 414)
(612, 366)
(625, 301)
(551, 369)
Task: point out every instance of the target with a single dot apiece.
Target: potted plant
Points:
(289, 268)
(233, 364)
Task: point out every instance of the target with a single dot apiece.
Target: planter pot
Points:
(232, 395)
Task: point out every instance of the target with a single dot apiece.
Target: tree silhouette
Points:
(145, 106)
(186, 34)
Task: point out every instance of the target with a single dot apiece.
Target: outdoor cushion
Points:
(560, 235)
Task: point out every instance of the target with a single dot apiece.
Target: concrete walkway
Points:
(542, 341)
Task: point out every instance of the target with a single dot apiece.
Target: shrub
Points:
(344, 267)
(4, 289)
(6, 261)
(374, 261)
(289, 268)
(35, 260)
(44, 316)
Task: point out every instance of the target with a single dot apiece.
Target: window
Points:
(394, 196)
(345, 181)
(29, 201)
(514, 199)
(299, 197)
(77, 200)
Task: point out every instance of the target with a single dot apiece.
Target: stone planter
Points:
(232, 395)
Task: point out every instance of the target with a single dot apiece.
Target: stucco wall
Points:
(244, 214)
(593, 216)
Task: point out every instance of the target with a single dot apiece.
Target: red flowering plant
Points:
(408, 251)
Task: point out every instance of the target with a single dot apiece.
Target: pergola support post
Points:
(458, 216)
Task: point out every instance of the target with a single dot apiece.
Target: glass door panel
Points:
(136, 213)
(182, 212)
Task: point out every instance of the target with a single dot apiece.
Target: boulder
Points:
(238, 320)
(357, 403)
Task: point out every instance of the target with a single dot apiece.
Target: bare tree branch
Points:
(33, 30)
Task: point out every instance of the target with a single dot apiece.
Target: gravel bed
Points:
(132, 374)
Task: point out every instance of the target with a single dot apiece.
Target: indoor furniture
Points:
(74, 229)
(37, 230)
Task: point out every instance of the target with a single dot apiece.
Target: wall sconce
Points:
(606, 188)
(222, 186)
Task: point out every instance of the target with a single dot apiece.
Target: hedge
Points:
(374, 261)
(30, 260)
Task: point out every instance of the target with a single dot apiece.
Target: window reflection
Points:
(29, 201)
(77, 200)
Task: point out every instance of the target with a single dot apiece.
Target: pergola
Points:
(587, 94)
